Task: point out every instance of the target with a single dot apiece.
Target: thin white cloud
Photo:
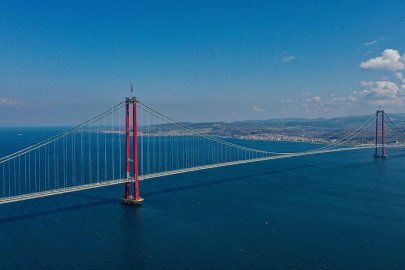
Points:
(389, 60)
(364, 83)
(257, 109)
(370, 43)
(351, 98)
(316, 98)
(288, 58)
(367, 53)
(306, 94)
(9, 102)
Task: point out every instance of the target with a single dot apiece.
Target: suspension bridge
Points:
(105, 150)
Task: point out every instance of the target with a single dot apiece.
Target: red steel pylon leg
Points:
(127, 151)
(135, 135)
(383, 134)
(376, 135)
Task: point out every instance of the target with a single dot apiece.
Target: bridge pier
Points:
(127, 198)
(383, 154)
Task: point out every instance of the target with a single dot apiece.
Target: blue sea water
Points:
(342, 210)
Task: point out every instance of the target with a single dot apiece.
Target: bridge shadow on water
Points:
(103, 201)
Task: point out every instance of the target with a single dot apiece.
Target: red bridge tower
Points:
(383, 155)
(127, 198)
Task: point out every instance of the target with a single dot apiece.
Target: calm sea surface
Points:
(330, 211)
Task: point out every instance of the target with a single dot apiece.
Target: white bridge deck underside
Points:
(161, 174)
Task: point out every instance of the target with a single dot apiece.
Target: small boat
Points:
(19, 134)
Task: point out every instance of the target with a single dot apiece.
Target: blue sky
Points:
(61, 62)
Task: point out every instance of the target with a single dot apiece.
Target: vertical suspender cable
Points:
(74, 158)
(9, 180)
(29, 171)
(98, 152)
(46, 166)
(147, 150)
(39, 169)
(4, 183)
(47, 160)
(142, 145)
(19, 175)
(90, 159)
(119, 144)
(82, 157)
(66, 161)
(112, 144)
(105, 149)
(35, 171)
(153, 151)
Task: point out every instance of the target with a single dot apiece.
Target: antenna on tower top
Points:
(132, 90)
(379, 106)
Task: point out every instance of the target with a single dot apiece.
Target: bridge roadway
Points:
(161, 174)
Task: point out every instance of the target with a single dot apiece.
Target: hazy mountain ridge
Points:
(302, 127)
